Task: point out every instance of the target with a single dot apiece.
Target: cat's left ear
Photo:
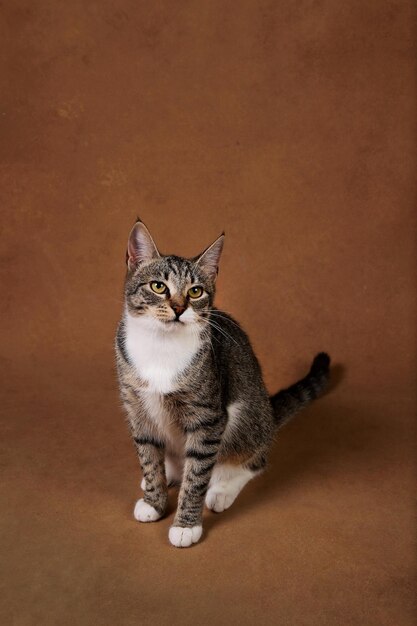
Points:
(208, 260)
(140, 246)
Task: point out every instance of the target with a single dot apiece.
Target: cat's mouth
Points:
(171, 325)
(177, 322)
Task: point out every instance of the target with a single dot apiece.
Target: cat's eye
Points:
(158, 287)
(195, 292)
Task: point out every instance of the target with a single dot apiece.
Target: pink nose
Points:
(178, 310)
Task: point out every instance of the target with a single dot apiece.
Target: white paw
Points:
(143, 484)
(219, 499)
(184, 537)
(144, 512)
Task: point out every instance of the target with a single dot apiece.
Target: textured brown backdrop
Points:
(291, 125)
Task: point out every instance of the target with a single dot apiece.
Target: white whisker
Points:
(221, 330)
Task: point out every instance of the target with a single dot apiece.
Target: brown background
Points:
(291, 125)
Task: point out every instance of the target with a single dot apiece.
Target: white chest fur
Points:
(159, 356)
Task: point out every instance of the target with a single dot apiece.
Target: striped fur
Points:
(192, 388)
(289, 401)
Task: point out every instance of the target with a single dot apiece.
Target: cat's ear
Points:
(140, 246)
(208, 260)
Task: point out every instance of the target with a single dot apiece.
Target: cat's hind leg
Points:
(226, 482)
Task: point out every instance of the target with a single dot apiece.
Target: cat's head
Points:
(169, 292)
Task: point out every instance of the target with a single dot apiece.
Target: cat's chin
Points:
(162, 326)
(172, 326)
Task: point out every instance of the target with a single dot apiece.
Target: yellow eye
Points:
(158, 287)
(195, 292)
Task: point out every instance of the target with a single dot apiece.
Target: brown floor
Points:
(292, 126)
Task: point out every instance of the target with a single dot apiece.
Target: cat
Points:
(191, 385)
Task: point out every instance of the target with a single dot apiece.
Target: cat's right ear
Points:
(140, 246)
(208, 260)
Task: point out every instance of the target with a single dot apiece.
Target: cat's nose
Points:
(178, 310)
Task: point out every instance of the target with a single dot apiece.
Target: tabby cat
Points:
(199, 412)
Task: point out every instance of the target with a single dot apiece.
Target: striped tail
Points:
(289, 401)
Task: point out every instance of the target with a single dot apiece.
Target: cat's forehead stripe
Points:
(181, 268)
(173, 265)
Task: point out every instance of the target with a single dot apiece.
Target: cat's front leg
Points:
(201, 451)
(151, 454)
